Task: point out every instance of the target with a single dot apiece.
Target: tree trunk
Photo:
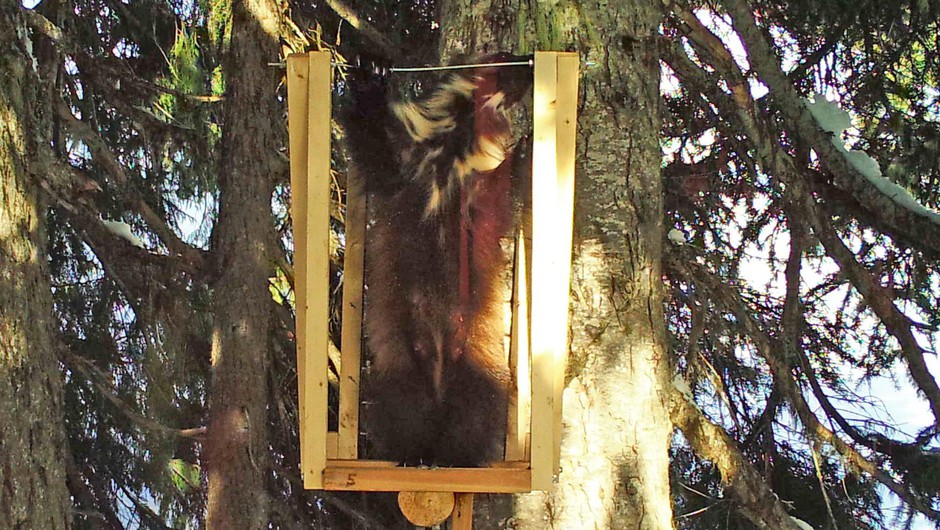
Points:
(33, 492)
(237, 445)
(615, 463)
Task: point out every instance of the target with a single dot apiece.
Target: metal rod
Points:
(530, 62)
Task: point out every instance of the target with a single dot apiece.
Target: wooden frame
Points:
(538, 338)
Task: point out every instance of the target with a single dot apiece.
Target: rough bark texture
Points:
(480, 27)
(617, 430)
(237, 445)
(33, 493)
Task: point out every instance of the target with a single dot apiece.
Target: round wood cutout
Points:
(426, 508)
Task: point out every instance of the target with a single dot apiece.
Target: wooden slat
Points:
(544, 265)
(332, 444)
(566, 130)
(315, 333)
(352, 318)
(297, 73)
(361, 463)
(463, 512)
(509, 464)
(520, 409)
(480, 480)
(341, 462)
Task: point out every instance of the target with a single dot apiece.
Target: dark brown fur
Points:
(438, 383)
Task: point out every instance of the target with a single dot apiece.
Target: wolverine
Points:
(437, 171)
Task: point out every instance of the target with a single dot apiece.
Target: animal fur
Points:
(438, 173)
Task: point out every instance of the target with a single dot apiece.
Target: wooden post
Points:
(353, 262)
(309, 92)
(566, 129)
(552, 184)
(463, 513)
(520, 409)
(297, 73)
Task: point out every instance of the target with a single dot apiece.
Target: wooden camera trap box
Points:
(541, 279)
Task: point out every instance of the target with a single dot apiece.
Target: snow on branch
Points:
(883, 200)
(123, 230)
(801, 524)
(833, 119)
(677, 237)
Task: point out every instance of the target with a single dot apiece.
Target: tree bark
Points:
(237, 444)
(33, 492)
(615, 463)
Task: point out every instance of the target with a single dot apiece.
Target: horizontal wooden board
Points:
(340, 476)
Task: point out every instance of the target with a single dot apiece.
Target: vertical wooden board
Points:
(297, 74)
(316, 328)
(520, 410)
(463, 512)
(544, 263)
(352, 317)
(566, 130)
(332, 444)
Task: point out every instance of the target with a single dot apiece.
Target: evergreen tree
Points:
(32, 439)
(757, 240)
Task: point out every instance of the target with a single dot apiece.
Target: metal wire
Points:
(530, 62)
